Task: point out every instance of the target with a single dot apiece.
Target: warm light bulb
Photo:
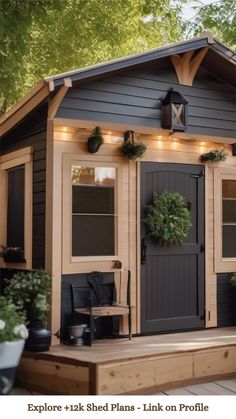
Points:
(160, 144)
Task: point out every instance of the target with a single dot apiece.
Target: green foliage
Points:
(218, 17)
(168, 218)
(214, 156)
(97, 134)
(12, 254)
(133, 150)
(43, 37)
(11, 322)
(30, 291)
(16, 20)
(233, 279)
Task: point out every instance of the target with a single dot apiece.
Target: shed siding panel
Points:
(226, 301)
(39, 200)
(135, 98)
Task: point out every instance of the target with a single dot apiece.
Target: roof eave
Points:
(29, 102)
(116, 65)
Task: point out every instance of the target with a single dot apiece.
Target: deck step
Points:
(141, 366)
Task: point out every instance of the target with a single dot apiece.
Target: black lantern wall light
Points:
(174, 111)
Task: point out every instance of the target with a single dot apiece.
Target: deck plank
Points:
(179, 392)
(209, 389)
(229, 384)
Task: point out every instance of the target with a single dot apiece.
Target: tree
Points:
(43, 37)
(16, 17)
(218, 17)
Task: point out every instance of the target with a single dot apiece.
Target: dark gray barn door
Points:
(172, 278)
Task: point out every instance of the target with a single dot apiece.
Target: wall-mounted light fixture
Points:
(174, 111)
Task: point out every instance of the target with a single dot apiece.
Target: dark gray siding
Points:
(226, 301)
(134, 97)
(32, 132)
(39, 202)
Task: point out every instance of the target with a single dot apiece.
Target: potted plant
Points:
(214, 156)
(31, 292)
(13, 333)
(131, 148)
(13, 254)
(95, 140)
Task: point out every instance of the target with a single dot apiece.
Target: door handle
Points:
(202, 248)
(143, 251)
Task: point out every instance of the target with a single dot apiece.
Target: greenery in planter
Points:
(233, 279)
(131, 148)
(214, 156)
(168, 218)
(30, 291)
(95, 140)
(13, 254)
(12, 322)
(13, 334)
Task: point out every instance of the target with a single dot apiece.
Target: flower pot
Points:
(39, 339)
(76, 332)
(15, 255)
(93, 144)
(10, 353)
(13, 259)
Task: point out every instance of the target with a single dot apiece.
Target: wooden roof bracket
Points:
(187, 65)
(56, 100)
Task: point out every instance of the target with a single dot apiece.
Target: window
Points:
(93, 210)
(229, 218)
(15, 206)
(16, 194)
(225, 219)
(93, 201)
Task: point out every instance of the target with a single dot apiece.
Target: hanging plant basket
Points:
(214, 156)
(95, 140)
(132, 149)
(168, 218)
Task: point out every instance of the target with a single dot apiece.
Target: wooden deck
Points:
(145, 365)
(219, 388)
(216, 388)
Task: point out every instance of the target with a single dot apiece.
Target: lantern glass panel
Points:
(177, 114)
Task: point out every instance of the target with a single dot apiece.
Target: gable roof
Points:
(219, 60)
(205, 40)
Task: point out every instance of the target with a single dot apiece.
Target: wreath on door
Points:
(168, 218)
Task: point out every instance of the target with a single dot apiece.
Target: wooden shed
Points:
(44, 144)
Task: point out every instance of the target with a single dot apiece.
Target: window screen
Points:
(93, 211)
(229, 218)
(15, 207)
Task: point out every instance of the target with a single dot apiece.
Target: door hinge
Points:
(201, 174)
(143, 251)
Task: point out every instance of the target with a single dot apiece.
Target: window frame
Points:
(9, 161)
(221, 264)
(76, 264)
